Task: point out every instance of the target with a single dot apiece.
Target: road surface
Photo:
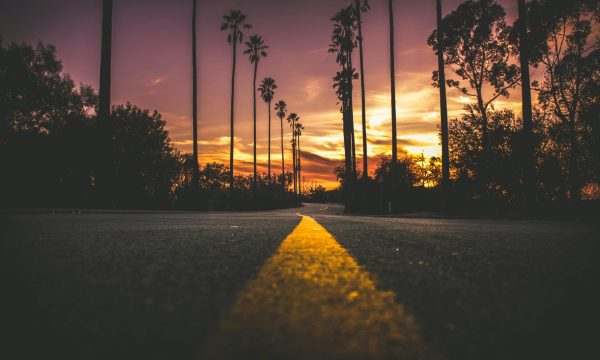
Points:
(306, 283)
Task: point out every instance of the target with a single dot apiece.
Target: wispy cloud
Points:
(156, 81)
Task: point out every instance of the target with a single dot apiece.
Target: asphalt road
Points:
(171, 285)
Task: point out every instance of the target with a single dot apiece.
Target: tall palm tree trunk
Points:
(254, 112)
(528, 171)
(347, 158)
(105, 62)
(269, 145)
(353, 149)
(299, 168)
(351, 114)
(443, 101)
(195, 172)
(231, 137)
(105, 153)
(296, 181)
(362, 92)
(393, 96)
(294, 164)
(282, 157)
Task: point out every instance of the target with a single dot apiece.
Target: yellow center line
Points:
(311, 300)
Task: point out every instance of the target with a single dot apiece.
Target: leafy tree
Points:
(406, 175)
(571, 84)
(317, 193)
(506, 141)
(476, 48)
(147, 163)
(267, 91)
(234, 22)
(45, 128)
(50, 145)
(35, 96)
(524, 50)
(214, 176)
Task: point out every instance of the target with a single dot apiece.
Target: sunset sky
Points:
(151, 67)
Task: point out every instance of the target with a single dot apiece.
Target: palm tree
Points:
(267, 90)
(299, 129)
(255, 49)
(195, 171)
(292, 119)
(281, 111)
(360, 6)
(342, 83)
(443, 102)
(343, 42)
(529, 172)
(393, 95)
(234, 22)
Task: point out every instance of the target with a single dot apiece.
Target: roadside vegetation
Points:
(494, 160)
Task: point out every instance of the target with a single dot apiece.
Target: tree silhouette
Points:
(234, 23)
(477, 51)
(267, 91)
(394, 161)
(292, 120)
(281, 108)
(105, 62)
(528, 146)
(571, 85)
(443, 102)
(255, 49)
(466, 137)
(43, 117)
(195, 171)
(342, 85)
(343, 42)
(104, 142)
(298, 132)
(360, 6)
(146, 165)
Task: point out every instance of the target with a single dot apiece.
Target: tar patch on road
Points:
(311, 300)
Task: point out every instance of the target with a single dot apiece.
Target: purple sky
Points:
(152, 68)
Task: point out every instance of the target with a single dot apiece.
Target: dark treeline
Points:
(493, 159)
(52, 152)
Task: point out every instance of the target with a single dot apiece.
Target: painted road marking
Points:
(311, 300)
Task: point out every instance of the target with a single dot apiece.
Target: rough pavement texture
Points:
(144, 286)
(487, 289)
(154, 285)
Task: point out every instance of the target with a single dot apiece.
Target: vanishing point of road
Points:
(305, 283)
